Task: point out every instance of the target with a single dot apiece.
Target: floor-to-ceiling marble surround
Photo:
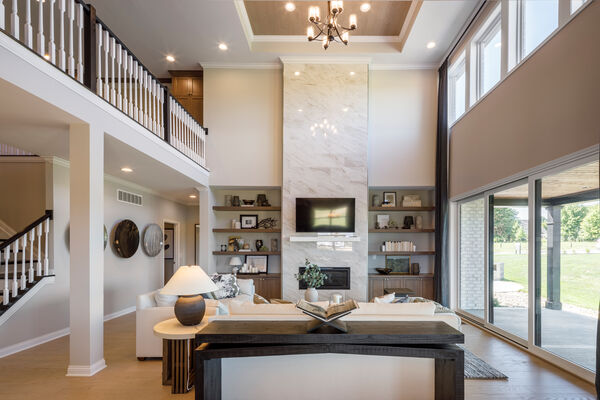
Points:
(325, 162)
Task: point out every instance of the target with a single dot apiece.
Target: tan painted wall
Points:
(23, 193)
(548, 108)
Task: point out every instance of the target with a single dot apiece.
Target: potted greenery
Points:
(313, 278)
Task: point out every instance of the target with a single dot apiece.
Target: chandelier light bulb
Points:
(352, 21)
(345, 37)
(310, 32)
(317, 13)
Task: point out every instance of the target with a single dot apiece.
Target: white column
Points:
(204, 223)
(86, 248)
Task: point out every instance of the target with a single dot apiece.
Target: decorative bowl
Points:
(384, 271)
(248, 202)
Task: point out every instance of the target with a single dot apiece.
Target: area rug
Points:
(476, 368)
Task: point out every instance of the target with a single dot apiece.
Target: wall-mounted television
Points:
(331, 215)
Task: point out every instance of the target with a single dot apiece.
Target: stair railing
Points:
(69, 35)
(12, 247)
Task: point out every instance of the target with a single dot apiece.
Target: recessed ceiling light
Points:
(223, 46)
(345, 109)
(170, 58)
(364, 7)
(192, 196)
(299, 110)
(289, 6)
(126, 169)
(297, 73)
(352, 73)
(430, 45)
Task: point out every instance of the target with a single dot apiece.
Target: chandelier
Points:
(329, 30)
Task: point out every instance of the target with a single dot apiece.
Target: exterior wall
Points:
(325, 166)
(472, 256)
(402, 127)
(545, 109)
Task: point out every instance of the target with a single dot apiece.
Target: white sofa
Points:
(334, 376)
(148, 314)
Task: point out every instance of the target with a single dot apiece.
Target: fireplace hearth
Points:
(338, 278)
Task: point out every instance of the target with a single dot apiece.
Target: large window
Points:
(488, 48)
(576, 5)
(457, 92)
(568, 263)
(529, 262)
(539, 20)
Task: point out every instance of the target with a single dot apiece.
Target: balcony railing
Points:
(69, 35)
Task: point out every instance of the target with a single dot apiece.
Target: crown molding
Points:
(240, 7)
(56, 161)
(402, 67)
(216, 65)
(325, 60)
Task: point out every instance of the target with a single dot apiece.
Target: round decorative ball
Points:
(127, 238)
(153, 240)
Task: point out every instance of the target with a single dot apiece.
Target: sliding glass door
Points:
(567, 267)
(508, 259)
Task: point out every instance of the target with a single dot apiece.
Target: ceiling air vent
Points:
(128, 197)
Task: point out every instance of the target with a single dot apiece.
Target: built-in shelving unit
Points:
(402, 208)
(246, 253)
(243, 209)
(225, 230)
(401, 253)
(426, 230)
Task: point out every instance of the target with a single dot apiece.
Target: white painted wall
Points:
(402, 127)
(124, 279)
(243, 112)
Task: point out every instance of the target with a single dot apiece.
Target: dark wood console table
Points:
(234, 339)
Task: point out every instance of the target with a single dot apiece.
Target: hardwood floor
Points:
(39, 373)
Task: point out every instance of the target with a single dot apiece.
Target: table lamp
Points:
(235, 261)
(189, 282)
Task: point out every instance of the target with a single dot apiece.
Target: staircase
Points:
(23, 264)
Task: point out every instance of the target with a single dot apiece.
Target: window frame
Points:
(483, 38)
(520, 26)
(459, 66)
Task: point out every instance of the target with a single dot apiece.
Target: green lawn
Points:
(580, 276)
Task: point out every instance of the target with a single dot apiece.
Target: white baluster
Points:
(15, 284)
(23, 261)
(71, 17)
(14, 20)
(106, 44)
(79, 42)
(40, 35)
(152, 104)
(5, 292)
(28, 29)
(51, 44)
(31, 239)
(146, 98)
(113, 91)
(125, 81)
(38, 231)
(62, 57)
(46, 261)
(131, 86)
(99, 60)
(119, 60)
(154, 107)
(136, 110)
(162, 112)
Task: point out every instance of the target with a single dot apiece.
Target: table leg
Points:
(450, 377)
(166, 363)
(177, 365)
(208, 379)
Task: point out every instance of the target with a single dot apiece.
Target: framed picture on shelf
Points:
(398, 264)
(383, 221)
(260, 262)
(389, 199)
(249, 221)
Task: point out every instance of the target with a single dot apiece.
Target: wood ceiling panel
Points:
(385, 18)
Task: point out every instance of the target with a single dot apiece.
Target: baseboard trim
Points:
(120, 313)
(33, 342)
(86, 370)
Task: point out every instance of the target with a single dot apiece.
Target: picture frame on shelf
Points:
(249, 221)
(399, 265)
(383, 221)
(260, 262)
(389, 199)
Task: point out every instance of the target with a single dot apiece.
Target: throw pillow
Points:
(165, 300)
(227, 285)
(388, 298)
(258, 299)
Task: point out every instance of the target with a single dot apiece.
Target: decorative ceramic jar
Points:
(311, 295)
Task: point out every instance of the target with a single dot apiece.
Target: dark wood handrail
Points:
(28, 228)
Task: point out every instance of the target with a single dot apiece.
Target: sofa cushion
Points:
(239, 308)
(246, 286)
(395, 309)
(165, 300)
(227, 284)
(388, 298)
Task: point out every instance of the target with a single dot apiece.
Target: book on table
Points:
(329, 314)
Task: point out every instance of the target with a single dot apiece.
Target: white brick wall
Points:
(472, 261)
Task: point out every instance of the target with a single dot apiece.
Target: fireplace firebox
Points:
(338, 278)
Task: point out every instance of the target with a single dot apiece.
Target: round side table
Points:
(178, 360)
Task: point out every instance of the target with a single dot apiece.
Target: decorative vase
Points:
(311, 295)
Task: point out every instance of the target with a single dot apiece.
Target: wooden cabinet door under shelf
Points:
(421, 285)
(266, 286)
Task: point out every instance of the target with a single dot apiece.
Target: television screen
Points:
(330, 215)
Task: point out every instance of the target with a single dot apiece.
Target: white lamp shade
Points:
(235, 261)
(189, 280)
